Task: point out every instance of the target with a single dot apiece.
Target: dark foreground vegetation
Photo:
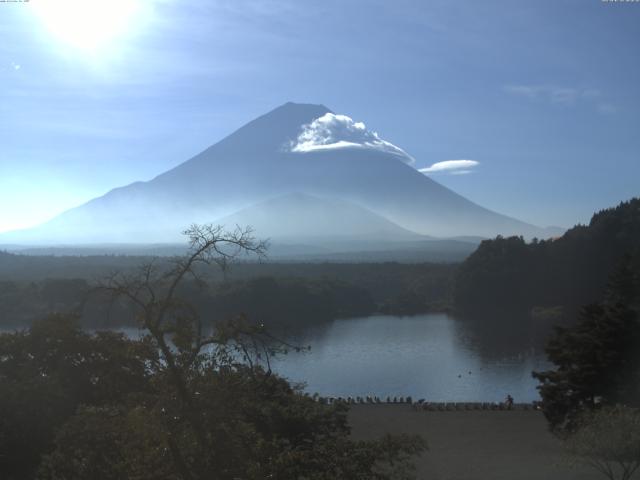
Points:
(178, 403)
(597, 359)
(591, 398)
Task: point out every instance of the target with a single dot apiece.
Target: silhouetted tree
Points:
(597, 361)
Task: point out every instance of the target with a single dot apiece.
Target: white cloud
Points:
(333, 131)
(453, 167)
(562, 95)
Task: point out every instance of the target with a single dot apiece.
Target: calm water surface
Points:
(426, 356)
(429, 356)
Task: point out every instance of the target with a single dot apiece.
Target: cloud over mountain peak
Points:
(332, 131)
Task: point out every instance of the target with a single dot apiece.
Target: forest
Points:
(509, 276)
(277, 293)
(539, 283)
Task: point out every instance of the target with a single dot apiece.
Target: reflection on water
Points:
(426, 356)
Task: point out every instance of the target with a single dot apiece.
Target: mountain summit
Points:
(296, 149)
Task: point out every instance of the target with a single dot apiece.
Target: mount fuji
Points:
(300, 173)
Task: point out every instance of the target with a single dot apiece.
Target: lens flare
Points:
(86, 24)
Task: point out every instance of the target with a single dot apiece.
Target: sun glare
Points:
(86, 24)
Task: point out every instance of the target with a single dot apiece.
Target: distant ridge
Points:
(303, 216)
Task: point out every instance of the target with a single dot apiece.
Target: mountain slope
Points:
(303, 217)
(294, 148)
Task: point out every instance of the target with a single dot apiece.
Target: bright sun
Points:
(86, 24)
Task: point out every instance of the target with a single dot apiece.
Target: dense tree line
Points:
(293, 294)
(292, 301)
(509, 275)
(377, 277)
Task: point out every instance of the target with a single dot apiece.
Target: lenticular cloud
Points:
(332, 131)
(454, 167)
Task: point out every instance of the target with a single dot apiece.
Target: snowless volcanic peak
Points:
(333, 161)
(273, 130)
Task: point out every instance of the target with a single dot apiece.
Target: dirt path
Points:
(473, 445)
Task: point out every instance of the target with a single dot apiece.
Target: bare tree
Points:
(153, 290)
(608, 440)
(208, 407)
(175, 328)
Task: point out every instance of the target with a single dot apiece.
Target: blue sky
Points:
(544, 95)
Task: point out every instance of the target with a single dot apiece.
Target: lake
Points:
(428, 356)
(431, 356)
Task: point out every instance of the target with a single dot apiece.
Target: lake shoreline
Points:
(431, 357)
